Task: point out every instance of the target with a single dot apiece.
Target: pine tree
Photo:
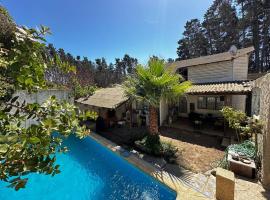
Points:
(254, 18)
(183, 50)
(194, 43)
(220, 24)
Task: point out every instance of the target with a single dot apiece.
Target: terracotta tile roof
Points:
(106, 98)
(238, 87)
(209, 59)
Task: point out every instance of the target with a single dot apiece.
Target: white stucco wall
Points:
(239, 102)
(163, 111)
(40, 97)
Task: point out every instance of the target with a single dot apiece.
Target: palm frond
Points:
(151, 83)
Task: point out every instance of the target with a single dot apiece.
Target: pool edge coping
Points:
(183, 191)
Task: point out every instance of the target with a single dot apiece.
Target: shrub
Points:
(152, 145)
(169, 150)
(83, 91)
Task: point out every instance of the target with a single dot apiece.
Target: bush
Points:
(169, 151)
(83, 91)
(243, 125)
(152, 145)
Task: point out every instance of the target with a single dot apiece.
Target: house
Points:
(218, 80)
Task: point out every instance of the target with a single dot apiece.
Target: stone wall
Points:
(261, 106)
(40, 97)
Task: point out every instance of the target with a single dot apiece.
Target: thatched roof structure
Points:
(110, 97)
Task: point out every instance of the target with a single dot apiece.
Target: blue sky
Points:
(111, 28)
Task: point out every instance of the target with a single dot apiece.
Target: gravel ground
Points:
(196, 152)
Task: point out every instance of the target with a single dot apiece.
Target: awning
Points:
(237, 87)
(106, 98)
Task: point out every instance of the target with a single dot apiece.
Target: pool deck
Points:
(184, 192)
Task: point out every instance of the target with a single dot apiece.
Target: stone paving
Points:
(205, 183)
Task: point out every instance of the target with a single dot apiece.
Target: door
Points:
(183, 105)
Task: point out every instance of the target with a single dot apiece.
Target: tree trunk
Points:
(256, 36)
(153, 120)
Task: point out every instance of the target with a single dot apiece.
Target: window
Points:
(210, 102)
(202, 103)
(219, 102)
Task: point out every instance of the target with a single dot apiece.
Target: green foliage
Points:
(88, 115)
(194, 43)
(153, 82)
(6, 89)
(152, 145)
(7, 27)
(83, 91)
(30, 149)
(169, 151)
(152, 142)
(235, 118)
(88, 72)
(242, 23)
(244, 126)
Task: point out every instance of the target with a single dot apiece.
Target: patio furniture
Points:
(198, 124)
(121, 123)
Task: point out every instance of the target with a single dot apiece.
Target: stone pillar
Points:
(225, 183)
(266, 140)
(263, 85)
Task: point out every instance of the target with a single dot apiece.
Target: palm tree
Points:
(151, 83)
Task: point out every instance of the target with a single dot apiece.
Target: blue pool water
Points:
(90, 171)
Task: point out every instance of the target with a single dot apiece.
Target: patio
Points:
(204, 127)
(197, 156)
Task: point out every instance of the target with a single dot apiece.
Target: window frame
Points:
(204, 103)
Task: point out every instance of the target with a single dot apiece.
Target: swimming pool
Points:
(90, 171)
